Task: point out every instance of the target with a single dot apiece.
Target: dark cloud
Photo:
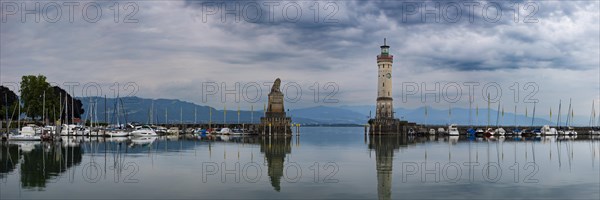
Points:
(173, 44)
(373, 20)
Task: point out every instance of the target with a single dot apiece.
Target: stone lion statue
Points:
(276, 85)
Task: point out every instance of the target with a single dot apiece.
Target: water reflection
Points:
(35, 165)
(492, 149)
(384, 147)
(38, 162)
(275, 149)
(9, 157)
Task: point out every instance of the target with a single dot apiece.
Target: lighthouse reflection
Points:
(384, 147)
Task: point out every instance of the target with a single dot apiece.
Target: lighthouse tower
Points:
(385, 108)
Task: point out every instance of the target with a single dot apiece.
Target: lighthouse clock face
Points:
(388, 75)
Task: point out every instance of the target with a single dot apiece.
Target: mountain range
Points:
(136, 109)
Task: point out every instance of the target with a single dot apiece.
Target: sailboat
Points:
(597, 127)
(431, 131)
(570, 130)
(117, 131)
(70, 129)
(535, 131)
(470, 130)
(479, 131)
(560, 130)
(546, 130)
(515, 130)
(499, 130)
(453, 130)
(27, 133)
(489, 131)
(594, 127)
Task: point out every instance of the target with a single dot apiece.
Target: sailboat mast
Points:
(449, 114)
(96, 111)
(6, 111)
(558, 116)
(44, 108)
(498, 115)
(533, 116)
(152, 113)
(470, 112)
(66, 109)
(568, 114)
(598, 124)
(124, 111)
(592, 115)
(19, 114)
(488, 111)
(515, 115)
(73, 108)
(426, 116)
(117, 113)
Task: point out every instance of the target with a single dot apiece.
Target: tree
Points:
(73, 104)
(32, 91)
(8, 104)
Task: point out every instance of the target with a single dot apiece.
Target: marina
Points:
(187, 99)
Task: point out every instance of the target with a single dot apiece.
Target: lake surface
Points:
(323, 163)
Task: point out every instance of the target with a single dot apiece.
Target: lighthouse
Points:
(384, 121)
(385, 107)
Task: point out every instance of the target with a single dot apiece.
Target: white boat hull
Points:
(117, 134)
(144, 133)
(453, 130)
(24, 138)
(143, 140)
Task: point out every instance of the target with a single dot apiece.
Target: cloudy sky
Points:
(182, 49)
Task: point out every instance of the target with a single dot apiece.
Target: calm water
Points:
(339, 163)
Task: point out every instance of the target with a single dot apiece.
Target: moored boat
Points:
(144, 131)
(500, 131)
(431, 131)
(453, 130)
(225, 131)
(27, 133)
(479, 132)
(570, 131)
(489, 132)
(116, 133)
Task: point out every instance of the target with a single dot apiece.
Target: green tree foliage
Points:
(32, 91)
(75, 105)
(8, 104)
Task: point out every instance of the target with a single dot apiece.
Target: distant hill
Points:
(330, 115)
(165, 110)
(176, 111)
(461, 116)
